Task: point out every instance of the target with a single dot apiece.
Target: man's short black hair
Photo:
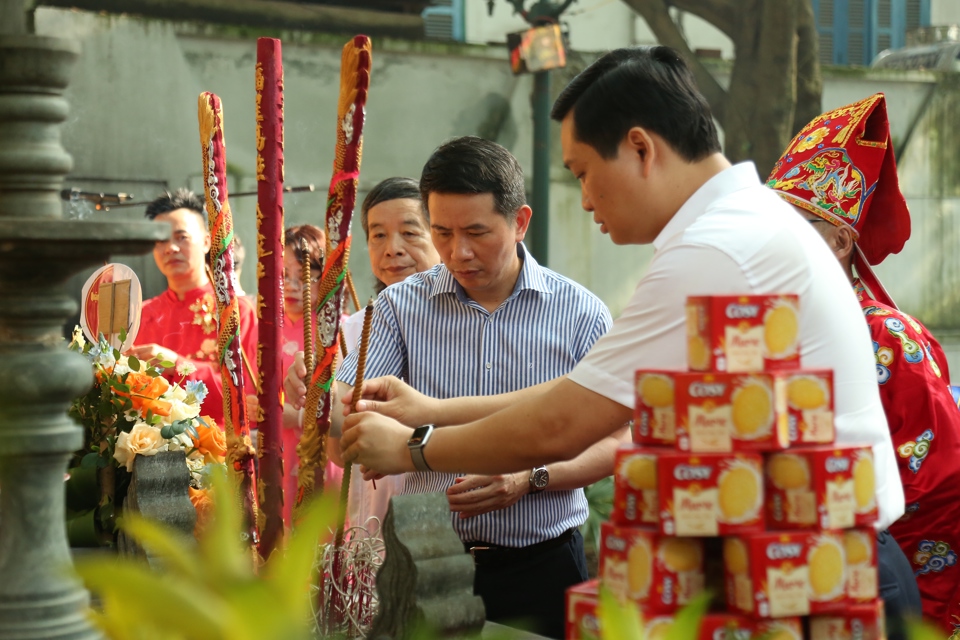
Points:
(390, 189)
(472, 165)
(179, 199)
(649, 87)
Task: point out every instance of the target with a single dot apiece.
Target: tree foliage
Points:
(775, 84)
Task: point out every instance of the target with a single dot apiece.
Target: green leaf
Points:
(89, 461)
(168, 544)
(123, 336)
(117, 354)
(153, 373)
(133, 363)
(166, 364)
(686, 624)
(157, 598)
(619, 620)
(919, 630)
(167, 431)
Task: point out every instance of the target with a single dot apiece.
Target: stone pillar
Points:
(39, 251)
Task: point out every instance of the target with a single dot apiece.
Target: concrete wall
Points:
(133, 128)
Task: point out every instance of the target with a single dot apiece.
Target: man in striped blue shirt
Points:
(490, 320)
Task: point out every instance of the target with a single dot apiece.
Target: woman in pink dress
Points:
(293, 255)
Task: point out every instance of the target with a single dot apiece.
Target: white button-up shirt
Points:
(735, 236)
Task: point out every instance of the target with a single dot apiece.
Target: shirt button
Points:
(489, 365)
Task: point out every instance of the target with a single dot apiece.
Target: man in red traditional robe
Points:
(180, 325)
(839, 172)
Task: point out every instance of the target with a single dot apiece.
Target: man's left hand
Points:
(474, 495)
(376, 442)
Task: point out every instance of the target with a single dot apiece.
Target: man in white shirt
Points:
(641, 140)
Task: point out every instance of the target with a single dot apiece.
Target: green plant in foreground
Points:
(208, 590)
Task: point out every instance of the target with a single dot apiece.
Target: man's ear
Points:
(207, 243)
(841, 242)
(639, 141)
(522, 220)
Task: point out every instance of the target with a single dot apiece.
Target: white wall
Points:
(944, 12)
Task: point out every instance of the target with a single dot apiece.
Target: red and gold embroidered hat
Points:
(841, 167)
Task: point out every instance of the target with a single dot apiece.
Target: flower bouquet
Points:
(130, 411)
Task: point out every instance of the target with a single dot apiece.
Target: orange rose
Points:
(203, 503)
(211, 440)
(145, 392)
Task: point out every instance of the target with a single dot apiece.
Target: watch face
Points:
(540, 478)
(418, 435)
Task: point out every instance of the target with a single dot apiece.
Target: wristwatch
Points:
(539, 479)
(416, 443)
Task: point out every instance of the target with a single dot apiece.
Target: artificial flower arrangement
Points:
(130, 411)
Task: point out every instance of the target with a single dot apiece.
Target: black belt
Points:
(485, 553)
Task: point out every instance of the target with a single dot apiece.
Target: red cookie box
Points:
(785, 573)
(810, 407)
(860, 548)
(722, 412)
(861, 621)
(710, 494)
(653, 415)
(743, 333)
(635, 486)
(821, 487)
(661, 574)
(728, 626)
(583, 623)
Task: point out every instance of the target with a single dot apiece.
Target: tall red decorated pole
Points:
(354, 82)
(269, 121)
(239, 447)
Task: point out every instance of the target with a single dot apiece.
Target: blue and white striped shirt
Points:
(428, 332)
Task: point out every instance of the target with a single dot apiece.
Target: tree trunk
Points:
(775, 84)
(809, 80)
(763, 92)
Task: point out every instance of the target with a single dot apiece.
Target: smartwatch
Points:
(416, 443)
(539, 479)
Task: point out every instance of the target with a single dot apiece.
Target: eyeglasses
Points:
(295, 282)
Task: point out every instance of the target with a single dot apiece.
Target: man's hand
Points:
(392, 397)
(253, 408)
(474, 495)
(294, 389)
(153, 354)
(377, 442)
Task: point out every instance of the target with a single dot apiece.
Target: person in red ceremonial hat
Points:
(180, 325)
(839, 172)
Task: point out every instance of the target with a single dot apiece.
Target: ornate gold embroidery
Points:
(205, 310)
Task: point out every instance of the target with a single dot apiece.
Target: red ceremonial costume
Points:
(189, 327)
(841, 168)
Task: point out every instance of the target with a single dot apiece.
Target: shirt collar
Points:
(531, 277)
(739, 176)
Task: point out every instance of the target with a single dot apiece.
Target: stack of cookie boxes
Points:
(741, 447)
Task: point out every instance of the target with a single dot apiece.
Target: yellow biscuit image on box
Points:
(781, 327)
(857, 547)
(864, 483)
(735, 557)
(807, 393)
(640, 472)
(826, 568)
(752, 412)
(681, 554)
(655, 390)
(658, 629)
(739, 492)
(780, 632)
(639, 568)
(788, 471)
(698, 353)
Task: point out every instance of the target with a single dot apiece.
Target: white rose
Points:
(142, 440)
(180, 410)
(175, 392)
(121, 367)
